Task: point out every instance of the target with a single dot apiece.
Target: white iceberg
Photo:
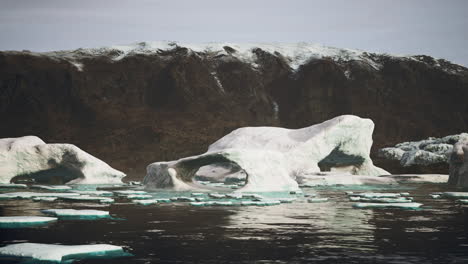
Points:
(29, 158)
(74, 213)
(24, 221)
(388, 205)
(58, 253)
(273, 157)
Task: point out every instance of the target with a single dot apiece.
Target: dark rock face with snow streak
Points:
(161, 101)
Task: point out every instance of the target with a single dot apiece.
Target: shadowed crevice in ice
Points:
(49, 253)
(339, 159)
(57, 175)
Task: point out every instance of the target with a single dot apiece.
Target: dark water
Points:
(299, 232)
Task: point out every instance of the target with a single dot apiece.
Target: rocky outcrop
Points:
(161, 101)
(31, 159)
(459, 164)
(429, 155)
(272, 158)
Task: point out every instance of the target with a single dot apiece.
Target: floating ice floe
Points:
(145, 202)
(163, 200)
(377, 195)
(183, 199)
(127, 192)
(87, 198)
(94, 193)
(29, 195)
(59, 253)
(45, 199)
(52, 187)
(12, 185)
(74, 213)
(405, 194)
(455, 195)
(273, 158)
(463, 201)
(30, 158)
(382, 200)
(436, 196)
(388, 205)
(139, 196)
(217, 195)
(317, 200)
(24, 221)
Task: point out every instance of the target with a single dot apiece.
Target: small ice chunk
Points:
(388, 205)
(139, 196)
(287, 200)
(24, 221)
(44, 199)
(13, 185)
(127, 192)
(317, 200)
(198, 203)
(52, 187)
(145, 202)
(227, 203)
(405, 194)
(163, 200)
(217, 195)
(234, 195)
(436, 196)
(87, 198)
(378, 195)
(463, 201)
(354, 198)
(55, 253)
(94, 193)
(183, 199)
(455, 195)
(85, 214)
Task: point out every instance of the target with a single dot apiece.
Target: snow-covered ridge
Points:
(295, 54)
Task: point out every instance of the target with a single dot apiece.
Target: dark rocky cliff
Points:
(148, 104)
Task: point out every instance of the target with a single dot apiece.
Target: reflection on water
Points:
(331, 232)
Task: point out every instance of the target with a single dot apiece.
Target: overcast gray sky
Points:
(433, 27)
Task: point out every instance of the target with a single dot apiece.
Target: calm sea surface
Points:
(299, 232)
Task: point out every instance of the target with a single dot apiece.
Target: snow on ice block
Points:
(139, 196)
(127, 192)
(145, 201)
(59, 253)
(79, 214)
(388, 205)
(45, 199)
(317, 200)
(12, 185)
(24, 221)
(52, 187)
(455, 195)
